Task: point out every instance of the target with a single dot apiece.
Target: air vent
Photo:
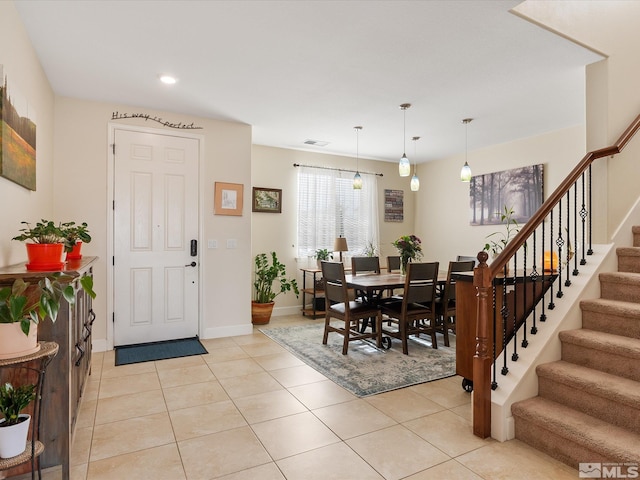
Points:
(317, 143)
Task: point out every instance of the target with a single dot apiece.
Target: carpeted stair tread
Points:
(612, 316)
(593, 382)
(619, 345)
(628, 259)
(614, 443)
(611, 398)
(628, 251)
(623, 286)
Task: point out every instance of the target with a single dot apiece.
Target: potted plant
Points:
(75, 236)
(23, 305)
(14, 427)
(498, 240)
(46, 246)
(268, 272)
(410, 249)
(323, 254)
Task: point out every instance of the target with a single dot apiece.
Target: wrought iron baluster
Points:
(567, 282)
(534, 278)
(514, 356)
(559, 244)
(583, 215)
(543, 316)
(551, 304)
(590, 251)
(494, 382)
(505, 317)
(575, 230)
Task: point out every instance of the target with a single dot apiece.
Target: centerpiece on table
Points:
(410, 249)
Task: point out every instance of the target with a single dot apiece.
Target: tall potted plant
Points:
(267, 272)
(23, 305)
(14, 427)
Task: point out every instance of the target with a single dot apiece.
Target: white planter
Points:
(14, 343)
(13, 439)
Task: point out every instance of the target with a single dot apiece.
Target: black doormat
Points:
(148, 352)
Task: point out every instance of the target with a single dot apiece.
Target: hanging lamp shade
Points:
(404, 167)
(357, 181)
(465, 172)
(415, 181)
(357, 178)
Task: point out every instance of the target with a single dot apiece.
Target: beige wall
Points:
(82, 156)
(25, 76)
(442, 211)
(613, 101)
(273, 167)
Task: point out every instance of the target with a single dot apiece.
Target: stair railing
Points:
(562, 224)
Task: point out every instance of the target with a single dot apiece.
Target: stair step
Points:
(602, 351)
(628, 259)
(636, 235)
(611, 316)
(608, 397)
(624, 286)
(570, 436)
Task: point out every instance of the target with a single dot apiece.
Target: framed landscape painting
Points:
(520, 189)
(17, 137)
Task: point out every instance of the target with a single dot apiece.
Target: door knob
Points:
(192, 264)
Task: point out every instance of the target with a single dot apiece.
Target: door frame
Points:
(112, 127)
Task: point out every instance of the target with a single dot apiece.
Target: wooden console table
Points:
(70, 368)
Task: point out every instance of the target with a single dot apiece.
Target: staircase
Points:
(588, 403)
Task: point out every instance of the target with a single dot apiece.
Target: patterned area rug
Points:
(366, 370)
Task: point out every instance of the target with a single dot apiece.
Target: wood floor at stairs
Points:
(588, 406)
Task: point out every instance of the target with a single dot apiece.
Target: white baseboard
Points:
(99, 345)
(228, 331)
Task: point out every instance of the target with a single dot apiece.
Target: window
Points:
(329, 207)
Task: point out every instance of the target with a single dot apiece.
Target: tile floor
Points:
(250, 410)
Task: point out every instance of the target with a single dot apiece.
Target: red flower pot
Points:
(45, 257)
(75, 253)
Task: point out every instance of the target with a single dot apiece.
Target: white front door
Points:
(155, 220)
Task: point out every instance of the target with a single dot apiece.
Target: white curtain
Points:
(329, 207)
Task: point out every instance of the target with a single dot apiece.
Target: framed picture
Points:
(518, 189)
(268, 200)
(228, 198)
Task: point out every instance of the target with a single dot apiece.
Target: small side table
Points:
(315, 292)
(36, 362)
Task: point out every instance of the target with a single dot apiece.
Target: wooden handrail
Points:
(518, 241)
(484, 276)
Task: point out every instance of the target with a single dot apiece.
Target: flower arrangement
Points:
(410, 248)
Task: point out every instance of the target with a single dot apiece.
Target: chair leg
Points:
(379, 330)
(326, 330)
(445, 329)
(434, 341)
(345, 342)
(403, 337)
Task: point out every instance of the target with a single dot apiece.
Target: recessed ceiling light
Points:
(168, 79)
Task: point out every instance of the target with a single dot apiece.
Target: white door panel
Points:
(156, 217)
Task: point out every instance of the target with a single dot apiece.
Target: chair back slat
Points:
(449, 292)
(365, 265)
(420, 284)
(393, 264)
(335, 288)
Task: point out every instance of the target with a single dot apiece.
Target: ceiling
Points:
(312, 70)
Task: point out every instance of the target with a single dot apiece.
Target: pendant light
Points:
(404, 167)
(357, 179)
(415, 181)
(465, 173)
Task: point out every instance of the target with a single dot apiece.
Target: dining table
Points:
(376, 283)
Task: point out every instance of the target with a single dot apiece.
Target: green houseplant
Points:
(323, 254)
(14, 427)
(45, 245)
(23, 305)
(498, 240)
(269, 271)
(75, 235)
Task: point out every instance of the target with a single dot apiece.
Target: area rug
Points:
(365, 370)
(147, 352)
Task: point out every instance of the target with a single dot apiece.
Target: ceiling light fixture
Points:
(415, 181)
(168, 79)
(357, 179)
(404, 167)
(465, 173)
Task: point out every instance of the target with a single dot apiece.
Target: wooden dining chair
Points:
(446, 305)
(365, 265)
(349, 312)
(416, 313)
(393, 264)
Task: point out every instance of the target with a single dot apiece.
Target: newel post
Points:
(482, 358)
